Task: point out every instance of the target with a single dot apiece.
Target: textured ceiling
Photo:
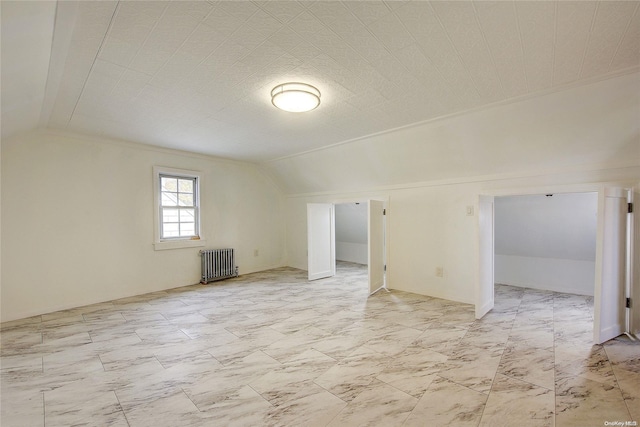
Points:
(196, 76)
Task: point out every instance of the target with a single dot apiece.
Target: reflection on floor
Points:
(272, 349)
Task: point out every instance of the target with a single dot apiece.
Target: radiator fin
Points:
(218, 264)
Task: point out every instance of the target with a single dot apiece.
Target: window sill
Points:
(178, 244)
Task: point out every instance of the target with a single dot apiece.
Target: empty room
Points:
(320, 213)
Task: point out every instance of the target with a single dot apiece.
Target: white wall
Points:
(351, 232)
(571, 141)
(547, 242)
(77, 221)
(581, 128)
(551, 274)
(429, 227)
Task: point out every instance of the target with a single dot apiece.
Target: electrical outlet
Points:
(439, 272)
(469, 210)
(256, 252)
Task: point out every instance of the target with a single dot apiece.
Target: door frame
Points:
(600, 189)
(364, 199)
(634, 258)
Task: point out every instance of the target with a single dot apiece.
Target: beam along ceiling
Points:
(197, 76)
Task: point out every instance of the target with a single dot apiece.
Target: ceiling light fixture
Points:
(295, 97)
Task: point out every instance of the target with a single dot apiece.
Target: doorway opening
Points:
(545, 250)
(612, 267)
(547, 242)
(322, 240)
(352, 240)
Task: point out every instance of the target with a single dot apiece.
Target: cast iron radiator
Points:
(217, 264)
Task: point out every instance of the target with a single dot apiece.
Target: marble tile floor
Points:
(272, 349)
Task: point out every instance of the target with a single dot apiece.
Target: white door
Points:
(484, 286)
(609, 312)
(321, 253)
(634, 256)
(376, 260)
(630, 267)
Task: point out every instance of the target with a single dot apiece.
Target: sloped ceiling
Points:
(196, 76)
(27, 30)
(584, 128)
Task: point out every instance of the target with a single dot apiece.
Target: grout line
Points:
(121, 408)
(185, 334)
(617, 382)
(330, 392)
(402, 391)
(493, 381)
(158, 360)
(465, 386)
(260, 394)
(215, 358)
(194, 403)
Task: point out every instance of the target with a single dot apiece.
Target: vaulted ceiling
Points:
(196, 76)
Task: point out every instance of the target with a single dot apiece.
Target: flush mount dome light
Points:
(295, 97)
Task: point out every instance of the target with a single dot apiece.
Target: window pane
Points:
(178, 211)
(170, 230)
(185, 185)
(169, 199)
(169, 184)
(187, 229)
(185, 199)
(187, 215)
(170, 215)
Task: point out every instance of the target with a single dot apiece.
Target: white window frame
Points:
(176, 242)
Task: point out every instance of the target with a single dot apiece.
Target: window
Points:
(177, 197)
(178, 207)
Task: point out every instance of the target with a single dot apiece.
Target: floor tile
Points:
(581, 402)
(530, 364)
(309, 410)
(245, 407)
(354, 374)
(22, 408)
(413, 370)
(84, 409)
(446, 403)
(521, 403)
(471, 367)
(380, 402)
(273, 349)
